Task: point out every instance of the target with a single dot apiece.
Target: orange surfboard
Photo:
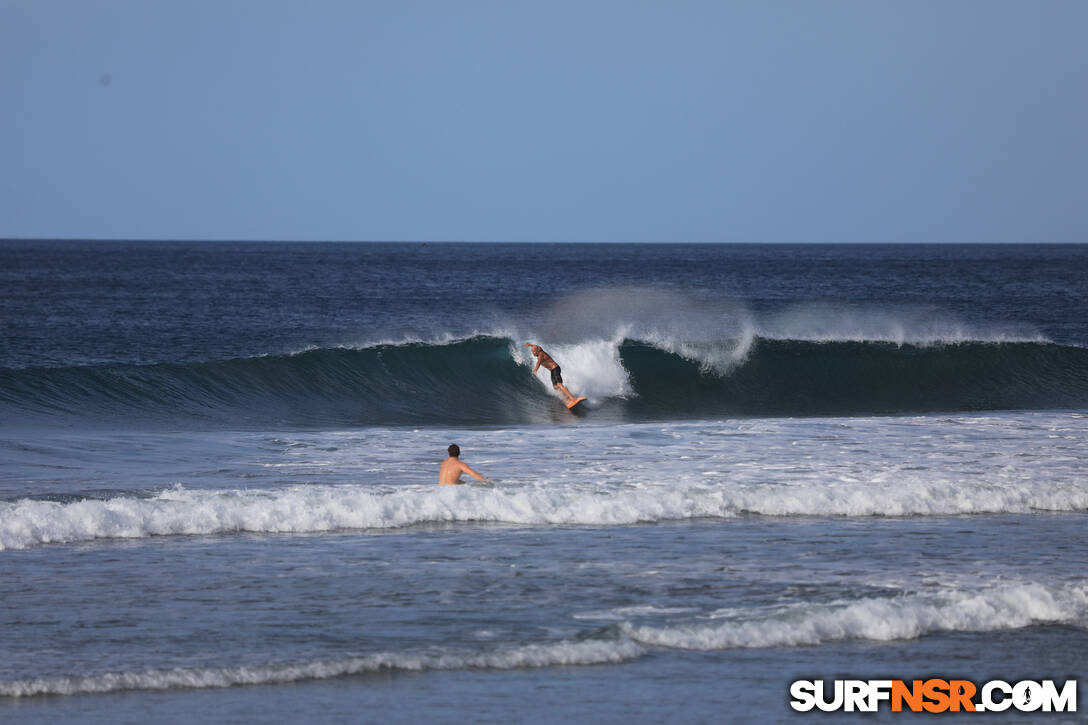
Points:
(575, 402)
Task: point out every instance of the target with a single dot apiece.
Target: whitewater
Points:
(218, 469)
(629, 474)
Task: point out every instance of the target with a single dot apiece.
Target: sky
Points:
(588, 120)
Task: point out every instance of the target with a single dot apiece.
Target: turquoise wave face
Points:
(489, 381)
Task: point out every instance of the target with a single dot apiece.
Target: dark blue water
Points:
(67, 303)
(72, 303)
(261, 335)
(218, 468)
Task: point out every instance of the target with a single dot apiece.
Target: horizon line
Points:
(180, 240)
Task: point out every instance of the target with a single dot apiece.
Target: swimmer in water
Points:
(453, 467)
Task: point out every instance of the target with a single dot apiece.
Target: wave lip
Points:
(488, 381)
(387, 384)
(823, 322)
(787, 377)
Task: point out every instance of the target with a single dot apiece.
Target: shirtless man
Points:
(543, 358)
(452, 468)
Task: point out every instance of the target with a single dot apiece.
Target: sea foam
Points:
(319, 508)
(895, 618)
(904, 617)
(537, 655)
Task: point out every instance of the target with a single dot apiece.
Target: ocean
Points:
(218, 468)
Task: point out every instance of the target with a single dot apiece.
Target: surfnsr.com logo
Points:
(934, 695)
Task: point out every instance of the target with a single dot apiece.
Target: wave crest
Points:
(544, 655)
(310, 509)
(879, 619)
(488, 381)
(909, 616)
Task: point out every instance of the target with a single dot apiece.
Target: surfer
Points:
(453, 467)
(543, 358)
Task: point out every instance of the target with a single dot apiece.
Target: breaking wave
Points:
(321, 508)
(904, 617)
(543, 655)
(488, 381)
(882, 619)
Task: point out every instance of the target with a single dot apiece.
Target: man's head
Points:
(453, 450)
(535, 349)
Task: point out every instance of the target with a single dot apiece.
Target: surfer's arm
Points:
(539, 358)
(468, 469)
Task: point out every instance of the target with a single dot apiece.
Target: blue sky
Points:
(763, 121)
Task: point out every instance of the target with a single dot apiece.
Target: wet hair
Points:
(453, 450)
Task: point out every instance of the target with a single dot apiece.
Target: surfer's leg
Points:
(557, 382)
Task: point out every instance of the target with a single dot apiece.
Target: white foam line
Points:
(881, 619)
(313, 509)
(909, 616)
(528, 656)
(308, 509)
(901, 339)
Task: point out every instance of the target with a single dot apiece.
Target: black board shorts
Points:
(557, 376)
